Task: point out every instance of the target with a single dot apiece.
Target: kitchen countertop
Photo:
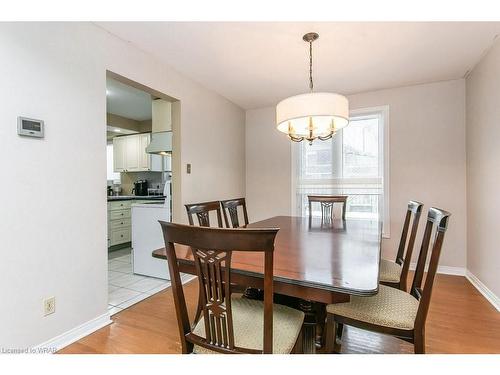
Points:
(112, 198)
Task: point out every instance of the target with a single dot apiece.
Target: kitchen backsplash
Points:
(128, 179)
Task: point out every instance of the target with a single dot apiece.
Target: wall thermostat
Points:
(30, 127)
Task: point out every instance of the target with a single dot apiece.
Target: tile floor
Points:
(125, 288)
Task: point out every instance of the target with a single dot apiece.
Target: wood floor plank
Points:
(460, 320)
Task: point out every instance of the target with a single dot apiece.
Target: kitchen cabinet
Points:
(145, 160)
(119, 221)
(132, 153)
(129, 154)
(119, 162)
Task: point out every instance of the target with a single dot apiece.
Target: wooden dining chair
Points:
(327, 202)
(202, 212)
(393, 311)
(230, 206)
(395, 273)
(229, 324)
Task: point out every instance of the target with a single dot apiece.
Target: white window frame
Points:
(384, 157)
(109, 164)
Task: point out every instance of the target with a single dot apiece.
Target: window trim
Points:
(382, 111)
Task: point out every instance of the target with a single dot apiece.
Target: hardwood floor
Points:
(460, 321)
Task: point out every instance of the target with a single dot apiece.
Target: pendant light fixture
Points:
(315, 115)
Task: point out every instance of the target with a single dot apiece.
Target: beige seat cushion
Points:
(248, 324)
(390, 271)
(391, 307)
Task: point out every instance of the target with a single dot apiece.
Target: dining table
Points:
(315, 263)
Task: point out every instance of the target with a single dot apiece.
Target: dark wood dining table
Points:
(315, 263)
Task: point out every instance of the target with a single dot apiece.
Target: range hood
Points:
(161, 136)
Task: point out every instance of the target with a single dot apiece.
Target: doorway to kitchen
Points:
(140, 127)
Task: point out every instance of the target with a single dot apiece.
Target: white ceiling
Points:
(258, 64)
(127, 101)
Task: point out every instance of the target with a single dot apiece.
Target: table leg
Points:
(314, 325)
(320, 324)
(309, 327)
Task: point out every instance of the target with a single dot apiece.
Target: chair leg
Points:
(419, 342)
(340, 330)
(330, 334)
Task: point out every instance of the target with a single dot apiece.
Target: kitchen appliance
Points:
(140, 188)
(117, 189)
(161, 136)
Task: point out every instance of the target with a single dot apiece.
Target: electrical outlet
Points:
(49, 306)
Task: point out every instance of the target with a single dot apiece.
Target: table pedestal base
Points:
(314, 320)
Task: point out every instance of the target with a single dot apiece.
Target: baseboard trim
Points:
(483, 289)
(445, 270)
(460, 271)
(74, 334)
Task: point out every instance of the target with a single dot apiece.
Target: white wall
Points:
(53, 229)
(483, 170)
(268, 166)
(427, 159)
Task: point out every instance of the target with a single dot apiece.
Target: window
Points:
(354, 162)
(112, 175)
(360, 148)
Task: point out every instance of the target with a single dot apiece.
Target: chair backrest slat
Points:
(202, 212)
(212, 250)
(437, 223)
(230, 206)
(403, 257)
(327, 202)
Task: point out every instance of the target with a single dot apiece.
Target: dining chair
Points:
(202, 212)
(231, 206)
(327, 202)
(395, 273)
(229, 324)
(392, 311)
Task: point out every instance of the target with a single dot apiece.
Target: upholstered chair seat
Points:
(391, 307)
(248, 325)
(390, 272)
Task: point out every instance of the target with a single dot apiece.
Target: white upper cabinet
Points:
(133, 153)
(129, 154)
(144, 158)
(119, 160)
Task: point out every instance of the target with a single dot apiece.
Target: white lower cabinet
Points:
(119, 214)
(119, 224)
(120, 235)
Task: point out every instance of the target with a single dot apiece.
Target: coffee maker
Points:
(140, 188)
